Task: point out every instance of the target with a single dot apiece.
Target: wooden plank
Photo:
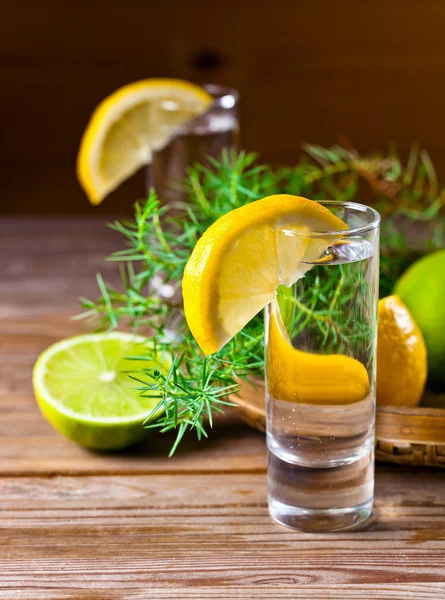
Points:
(160, 533)
(54, 456)
(46, 265)
(397, 591)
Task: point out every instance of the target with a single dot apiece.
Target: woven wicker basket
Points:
(408, 436)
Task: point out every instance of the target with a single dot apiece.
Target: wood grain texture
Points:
(77, 525)
(307, 71)
(137, 533)
(426, 591)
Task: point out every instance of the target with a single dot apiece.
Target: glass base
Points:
(321, 520)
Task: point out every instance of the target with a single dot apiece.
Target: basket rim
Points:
(413, 411)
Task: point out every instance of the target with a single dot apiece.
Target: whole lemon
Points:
(422, 289)
(401, 355)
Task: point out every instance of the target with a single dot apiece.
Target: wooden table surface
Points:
(136, 525)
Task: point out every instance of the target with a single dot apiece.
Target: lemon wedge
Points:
(128, 125)
(239, 262)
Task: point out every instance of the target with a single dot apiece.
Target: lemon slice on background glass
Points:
(128, 125)
(237, 265)
(83, 388)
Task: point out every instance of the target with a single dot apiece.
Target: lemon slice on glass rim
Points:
(239, 262)
(128, 125)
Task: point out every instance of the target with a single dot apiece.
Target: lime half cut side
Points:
(84, 388)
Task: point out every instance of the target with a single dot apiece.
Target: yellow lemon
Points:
(128, 125)
(239, 262)
(401, 355)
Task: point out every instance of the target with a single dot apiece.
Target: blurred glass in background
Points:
(203, 137)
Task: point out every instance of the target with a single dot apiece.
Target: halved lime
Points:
(83, 388)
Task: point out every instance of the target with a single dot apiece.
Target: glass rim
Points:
(374, 220)
(225, 97)
(224, 102)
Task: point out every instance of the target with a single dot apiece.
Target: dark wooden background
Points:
(314, 70)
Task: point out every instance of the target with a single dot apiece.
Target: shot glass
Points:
(203, 137)
(321, 375)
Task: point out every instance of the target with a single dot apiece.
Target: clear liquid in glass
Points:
(206, 136)
(321, 467)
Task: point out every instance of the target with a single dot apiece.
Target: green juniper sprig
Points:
(406, 194)
(188, 393)
(159, 241)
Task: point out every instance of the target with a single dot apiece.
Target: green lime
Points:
(422, 289)
(83, 388)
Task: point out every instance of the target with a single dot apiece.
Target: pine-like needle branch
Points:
(159, 242)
